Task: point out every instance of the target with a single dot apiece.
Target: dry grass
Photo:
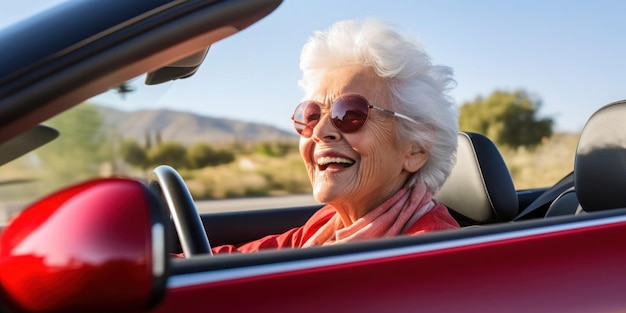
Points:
(258, 175)
(545, 165)
(254, 175)
(261, 175)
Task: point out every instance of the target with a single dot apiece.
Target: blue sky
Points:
(569, 54)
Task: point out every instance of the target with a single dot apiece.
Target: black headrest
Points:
(600, 164)
(480, 186)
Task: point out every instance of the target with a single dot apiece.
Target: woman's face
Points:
(355, 172)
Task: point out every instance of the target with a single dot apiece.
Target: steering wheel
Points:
(193, 239)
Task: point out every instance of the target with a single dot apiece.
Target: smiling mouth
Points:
(324, 162)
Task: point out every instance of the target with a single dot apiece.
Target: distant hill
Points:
(188, 128)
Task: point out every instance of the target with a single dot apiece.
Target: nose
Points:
(324, 130)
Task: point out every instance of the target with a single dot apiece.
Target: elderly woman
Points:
(377, 135)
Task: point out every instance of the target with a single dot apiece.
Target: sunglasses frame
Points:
(368, 105)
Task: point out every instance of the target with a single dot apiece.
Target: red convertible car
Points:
(104, 245)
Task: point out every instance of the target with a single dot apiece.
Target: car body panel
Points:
(527, 270)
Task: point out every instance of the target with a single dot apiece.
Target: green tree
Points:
(276, 148)
(265, 149)
(224, 157)
(201, 155)
(157, 137)
(508, 118)
(82, 146)
(134, 154)
(168, 153)
(148, 136)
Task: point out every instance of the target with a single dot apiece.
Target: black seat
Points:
(479, 189)
(565, 204)
(540, 206)
(600, 163)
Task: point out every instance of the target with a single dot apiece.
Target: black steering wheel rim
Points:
(166, 181)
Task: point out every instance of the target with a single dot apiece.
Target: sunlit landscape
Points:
(257, 169)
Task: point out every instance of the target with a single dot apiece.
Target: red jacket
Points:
(436, 219)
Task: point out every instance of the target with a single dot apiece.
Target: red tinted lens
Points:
(349, 113)
(306, 116)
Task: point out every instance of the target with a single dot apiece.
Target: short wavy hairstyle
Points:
(417, 88)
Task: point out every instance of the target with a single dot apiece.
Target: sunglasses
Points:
(347, 114)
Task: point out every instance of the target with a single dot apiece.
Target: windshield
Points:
(128, 132)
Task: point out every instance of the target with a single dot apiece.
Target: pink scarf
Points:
(391, 218)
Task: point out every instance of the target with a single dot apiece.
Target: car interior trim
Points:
(214, 276)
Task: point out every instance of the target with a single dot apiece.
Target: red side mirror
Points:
(97, 246)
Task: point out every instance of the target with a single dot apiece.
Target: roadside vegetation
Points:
(535, 156)
(544, 165)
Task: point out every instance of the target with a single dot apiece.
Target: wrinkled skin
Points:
(358, 171)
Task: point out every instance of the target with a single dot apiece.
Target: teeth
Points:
(328, 160)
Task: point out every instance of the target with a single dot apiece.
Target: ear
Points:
(415, 159)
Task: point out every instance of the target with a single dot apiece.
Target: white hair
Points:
(417, 88)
